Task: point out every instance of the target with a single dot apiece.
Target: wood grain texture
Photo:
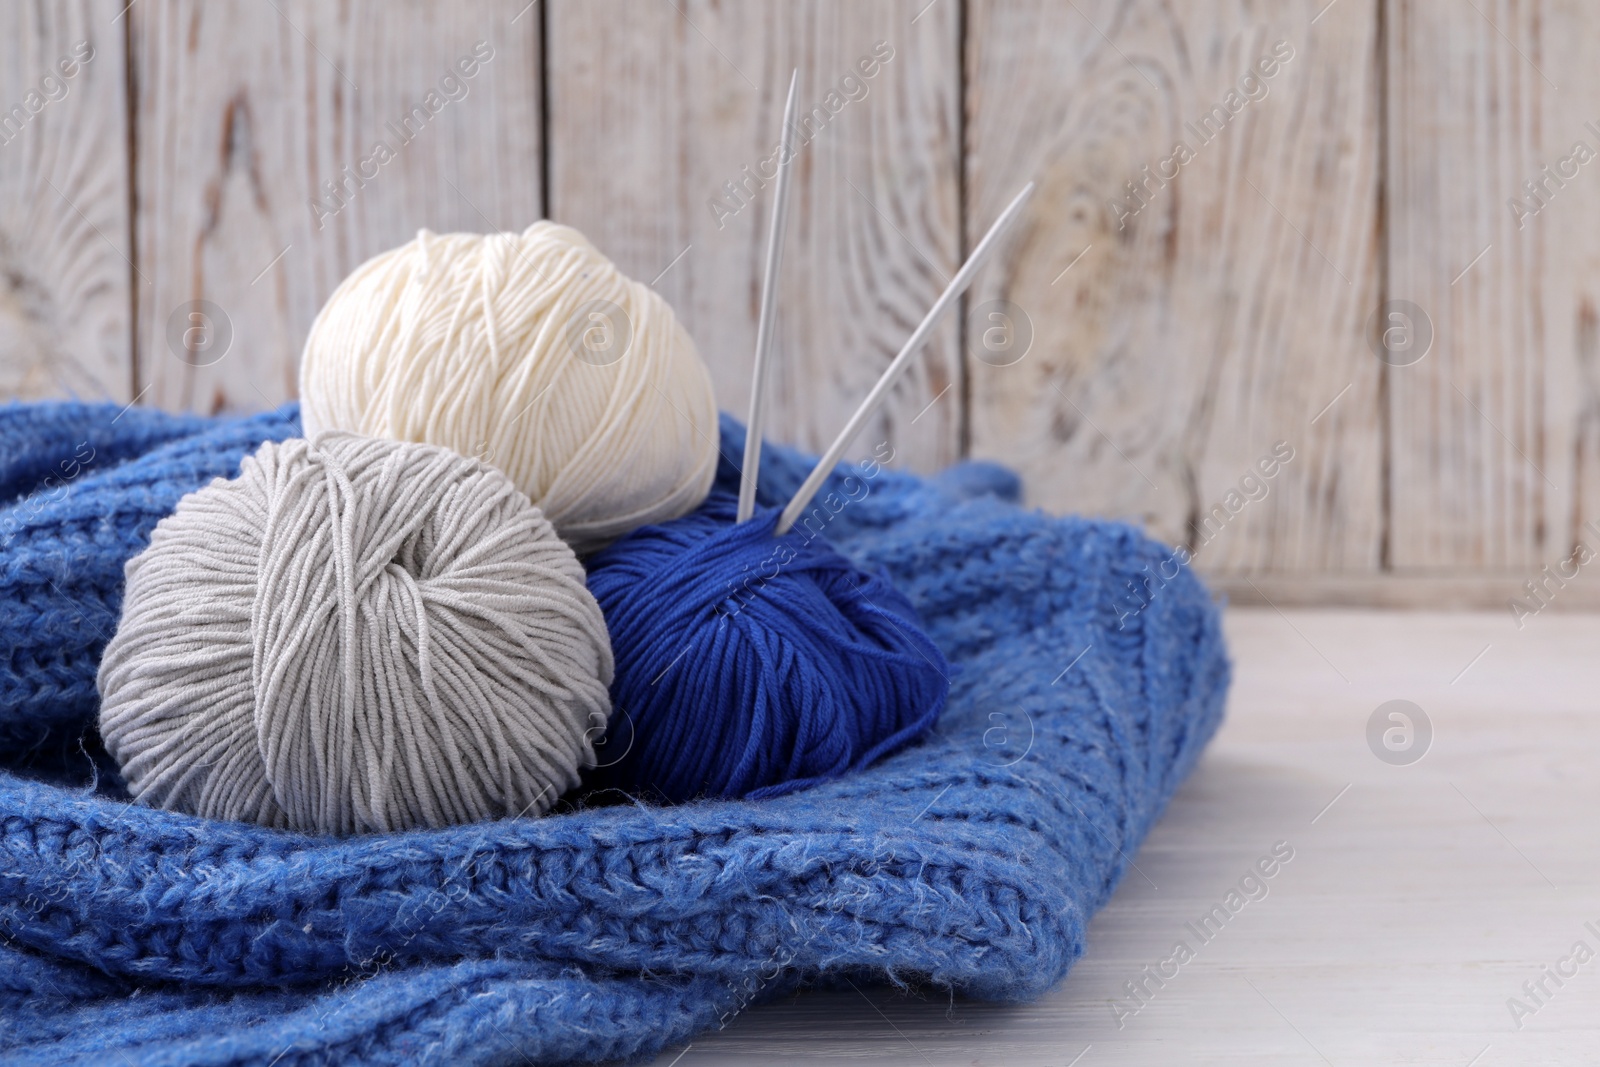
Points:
(246, 110)
(1214, 316)
(65, 249)
(655, 106)
(1416, 904)
(1410, 590)
(1171, 346)
(1497, 431)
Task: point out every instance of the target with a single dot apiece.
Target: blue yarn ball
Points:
(750, 665)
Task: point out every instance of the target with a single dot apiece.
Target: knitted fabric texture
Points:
(63, 544)
(970, 861)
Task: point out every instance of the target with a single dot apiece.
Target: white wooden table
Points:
(1419, 900)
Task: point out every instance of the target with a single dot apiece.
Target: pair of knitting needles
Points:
(766, 324)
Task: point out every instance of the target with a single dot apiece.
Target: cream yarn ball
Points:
(532, 352)
(355, 635)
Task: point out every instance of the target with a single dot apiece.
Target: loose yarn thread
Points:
(750, 665)
(355, 635)
(533, 352)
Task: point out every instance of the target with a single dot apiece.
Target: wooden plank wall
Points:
(258, 178)
(874, 216)
(1181, 332)
(1496, 451)
(66, 249)
(1231, 195)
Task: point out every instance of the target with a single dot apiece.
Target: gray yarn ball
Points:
(355, 635)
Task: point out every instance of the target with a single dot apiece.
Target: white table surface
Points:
(1415, 905)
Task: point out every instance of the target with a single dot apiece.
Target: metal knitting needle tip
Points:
(769, 314)
(957, 286)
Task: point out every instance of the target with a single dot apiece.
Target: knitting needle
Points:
(957, 286)
(769, 315)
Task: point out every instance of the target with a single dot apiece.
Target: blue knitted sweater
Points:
(971, 861)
